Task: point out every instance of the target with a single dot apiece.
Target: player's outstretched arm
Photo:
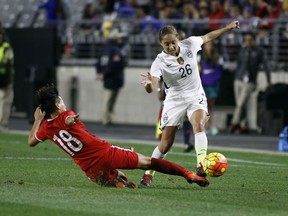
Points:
(216, 33)
(38, 116)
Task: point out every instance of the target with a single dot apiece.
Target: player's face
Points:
(60, 104)
(170, 44)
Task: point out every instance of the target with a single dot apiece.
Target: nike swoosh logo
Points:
(168, 65)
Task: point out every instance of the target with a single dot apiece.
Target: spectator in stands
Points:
(249, 20)
(108, 18)
(261, 9)
(170, 12)
(110, 69)
(89, 29)
(89, 13)
(56, 10)
(189, 11)
(250, 58)
(227, 7)
(203, 11)
(216, 12)
(158, 11)
(124, 9)
(273, 12)
(269, 10)
(235, 13)
(6, 80)
(210, 66)
(148, 22)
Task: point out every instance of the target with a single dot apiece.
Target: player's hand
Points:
(234, 24)
(38, 114)
(146, 79)
(71, 120)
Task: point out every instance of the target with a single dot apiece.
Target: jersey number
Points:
(185, 70)
(69, 143)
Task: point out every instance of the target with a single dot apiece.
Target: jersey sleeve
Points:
(65, 114)
(195, 41)
(155, 69)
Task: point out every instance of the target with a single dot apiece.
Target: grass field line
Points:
(172, 153)
(235, 149)
(237, 160)
(156, 142)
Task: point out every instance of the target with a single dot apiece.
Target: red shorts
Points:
(105, 171)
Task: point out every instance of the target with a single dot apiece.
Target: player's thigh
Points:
(122, 158)
(197, 113)
(173, 113)
(198, 103)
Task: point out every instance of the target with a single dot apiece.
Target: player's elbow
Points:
(32, 142)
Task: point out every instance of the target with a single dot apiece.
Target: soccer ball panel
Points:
(215, 164)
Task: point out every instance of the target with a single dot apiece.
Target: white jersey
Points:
(180, 73)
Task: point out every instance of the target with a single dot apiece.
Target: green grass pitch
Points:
(44, 181)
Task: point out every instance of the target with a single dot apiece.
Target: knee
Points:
(198, 126)
(144, 162)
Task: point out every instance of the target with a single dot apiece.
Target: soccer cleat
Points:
(130, 185)
(193, 178)
(200, 171)
(146, 180)
(121, 182)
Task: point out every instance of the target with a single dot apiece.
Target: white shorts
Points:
(175, 109)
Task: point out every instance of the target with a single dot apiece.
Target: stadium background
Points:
(65, 54)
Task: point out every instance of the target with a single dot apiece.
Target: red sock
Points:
(167, 167)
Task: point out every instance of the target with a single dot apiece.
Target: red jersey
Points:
(85, 148)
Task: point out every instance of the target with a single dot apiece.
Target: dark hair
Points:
(169, 29)
(47, 96)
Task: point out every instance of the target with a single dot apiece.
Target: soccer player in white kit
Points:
(177, 64)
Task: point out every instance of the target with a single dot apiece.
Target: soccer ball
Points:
(215, 164)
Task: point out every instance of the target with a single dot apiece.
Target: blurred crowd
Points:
(160, 10)
(86, 21)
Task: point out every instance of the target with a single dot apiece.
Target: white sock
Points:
(156, 154)
(201, 144)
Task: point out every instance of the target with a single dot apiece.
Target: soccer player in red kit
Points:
(99, 159)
